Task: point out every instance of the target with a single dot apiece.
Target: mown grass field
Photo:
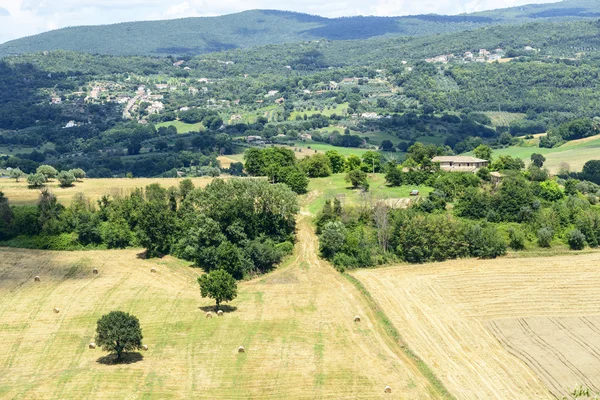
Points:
(575, 153)
(296, 324)
(335, 186)
(512, 328)
(94, 189)
(503, 118)
(182, 127)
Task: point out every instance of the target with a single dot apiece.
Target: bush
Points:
(485, 242)
(343, 261)
(516, 239)
(332, 239)
(66, 178)
(36, 181)
(576, 240)
(358, 179)
(545, 236)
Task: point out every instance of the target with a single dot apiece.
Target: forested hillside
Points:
(193, 36)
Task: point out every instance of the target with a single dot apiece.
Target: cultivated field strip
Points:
(296, 325)
(444, 312)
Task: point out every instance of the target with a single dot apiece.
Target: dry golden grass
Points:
(296, 325)
(19, 193)
(443, 311)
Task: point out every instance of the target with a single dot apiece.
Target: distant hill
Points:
(194, 36)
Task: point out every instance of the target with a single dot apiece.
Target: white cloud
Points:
(20, 18)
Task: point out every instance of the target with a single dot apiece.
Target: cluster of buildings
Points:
(483, 55)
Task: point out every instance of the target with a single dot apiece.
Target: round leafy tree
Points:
(219, 285)
(118, 332)
(66, 178)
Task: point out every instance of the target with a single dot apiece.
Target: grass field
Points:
(182, 127)
(502, 118)
(296, 324)
(575, 153)
(335, 186)
(541, 309)
(19, 193)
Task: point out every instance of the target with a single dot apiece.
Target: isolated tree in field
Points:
(218, 285)
(358, 179)
(66, 178)
(78, 173)
(48, 171)
(538, 160)
(483, 152)
(119, 332)
(17, 174)
(36, 181)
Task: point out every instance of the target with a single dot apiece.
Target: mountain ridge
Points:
(186, 37)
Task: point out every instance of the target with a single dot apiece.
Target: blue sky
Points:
(20, 18)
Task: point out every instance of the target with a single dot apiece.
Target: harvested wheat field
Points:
(18, 193)
(544, 312)
(296, 326)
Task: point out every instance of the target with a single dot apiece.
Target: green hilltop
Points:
(195, 36)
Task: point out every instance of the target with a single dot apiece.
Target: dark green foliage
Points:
(316, 166)
(474, 204)
(336, 160)
(576, 240)
(455, 184)
(332, 239)
(358, 179)
(483, 152)
(431, 238)
(279, 165)
(516, 239)
(119, 332)
(538, 160)
(116, 233)
(218, 285)
(485, 242)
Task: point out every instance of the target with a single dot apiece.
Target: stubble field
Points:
(502, 329)
(297, 325)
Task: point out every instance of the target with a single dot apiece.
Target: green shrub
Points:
(485, 242)
(516, 239)
(576, 240)
(343, 261)
(545, 236)
(286, 248)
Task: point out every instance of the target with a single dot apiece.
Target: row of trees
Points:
(528, 208)
(241, 226)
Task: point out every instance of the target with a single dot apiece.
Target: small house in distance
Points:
(460, 163)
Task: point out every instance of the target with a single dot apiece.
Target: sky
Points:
(20, 18)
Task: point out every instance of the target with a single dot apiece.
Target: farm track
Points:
(295, 323)
(452, 314)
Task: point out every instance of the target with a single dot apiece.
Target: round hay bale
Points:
(145, 347)
(95, 271)
(357, 319)
(220, 313)
(153, 270)
(56, 310)
(92, 346)
(388, 389)
(209, 315)
(37, 279)
(241, 349)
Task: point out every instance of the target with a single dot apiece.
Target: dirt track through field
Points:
(297, 325)
(444, 311)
